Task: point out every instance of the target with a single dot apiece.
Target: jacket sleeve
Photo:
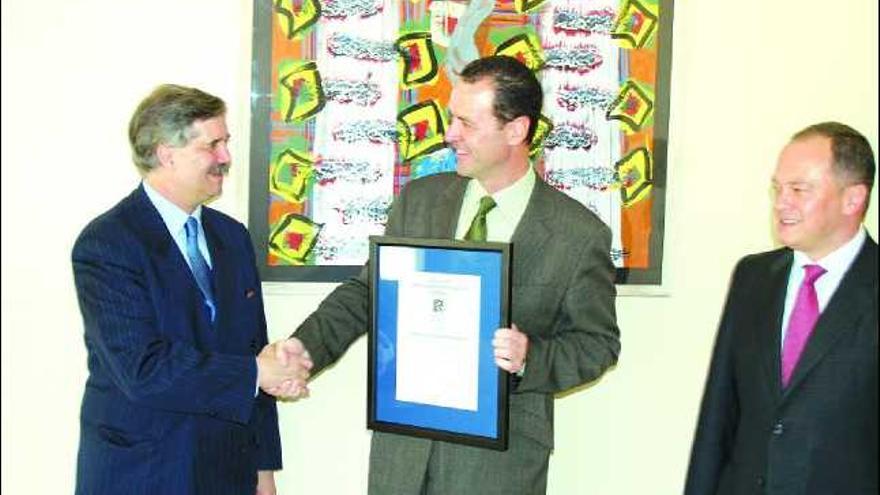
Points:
(584, 340)
(719, 411)
(343, 316)
(122, 307)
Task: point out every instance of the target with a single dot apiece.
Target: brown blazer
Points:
(562, 296)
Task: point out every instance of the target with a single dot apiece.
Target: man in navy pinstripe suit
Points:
(174, 323)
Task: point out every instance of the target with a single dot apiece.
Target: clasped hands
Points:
(283, 369)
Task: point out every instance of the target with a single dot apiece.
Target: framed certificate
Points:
(435, 307)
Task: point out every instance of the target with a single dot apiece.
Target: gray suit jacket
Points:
(562, 297)
(817, 436)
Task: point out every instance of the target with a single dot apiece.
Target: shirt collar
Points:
(173, 217)
(509, 197)
(837, 261)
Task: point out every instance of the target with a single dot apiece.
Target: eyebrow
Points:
(460, 117)
(219, 139)
(775, 182)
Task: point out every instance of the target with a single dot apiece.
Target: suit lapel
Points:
(444, 216)
(850, 303)
(155, 232)
(532, 233)
(163, 248)
(769, 309)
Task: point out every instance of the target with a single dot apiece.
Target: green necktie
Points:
(477, 230)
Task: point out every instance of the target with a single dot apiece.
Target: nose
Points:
(781, 198)
(453, 132)
(222, 154)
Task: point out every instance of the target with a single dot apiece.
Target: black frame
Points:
(496, 411)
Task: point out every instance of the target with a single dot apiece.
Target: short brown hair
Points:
(853, 159)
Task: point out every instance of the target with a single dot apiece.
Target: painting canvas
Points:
(349, 104)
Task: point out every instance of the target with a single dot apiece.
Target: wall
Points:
(744, 79)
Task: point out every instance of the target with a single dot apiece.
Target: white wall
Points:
(744, 79)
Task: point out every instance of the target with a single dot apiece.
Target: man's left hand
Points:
(511, 347)
(265, 483)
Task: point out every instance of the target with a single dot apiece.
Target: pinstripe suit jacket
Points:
(562, 296)
(169, 403)
(818, 436)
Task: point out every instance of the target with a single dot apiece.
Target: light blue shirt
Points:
(175, 220)
(835, 264)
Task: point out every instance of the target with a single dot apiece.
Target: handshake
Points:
(283, 369)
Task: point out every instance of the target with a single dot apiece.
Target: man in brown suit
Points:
(564, 331)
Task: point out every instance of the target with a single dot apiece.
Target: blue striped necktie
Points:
(198, 264)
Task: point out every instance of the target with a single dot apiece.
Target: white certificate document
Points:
(438, 339)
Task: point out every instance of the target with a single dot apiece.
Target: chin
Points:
(789, 241)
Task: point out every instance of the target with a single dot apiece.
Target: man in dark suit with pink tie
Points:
(174, 323)
(790, 404)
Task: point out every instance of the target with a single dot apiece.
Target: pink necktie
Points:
(801, 321)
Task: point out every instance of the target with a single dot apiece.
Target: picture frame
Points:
(435, 306)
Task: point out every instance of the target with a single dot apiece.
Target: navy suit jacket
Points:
(169, 403)
(818, 436)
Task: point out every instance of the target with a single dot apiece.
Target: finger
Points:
(281, 353)
(504, 364)
(294, 346)
(503, 354)
(298, 370)
(277, 391)
(501, 341)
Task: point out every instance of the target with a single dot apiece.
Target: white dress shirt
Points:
(835, 264)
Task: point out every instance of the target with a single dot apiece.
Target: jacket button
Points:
(759, 481)
(778, 428)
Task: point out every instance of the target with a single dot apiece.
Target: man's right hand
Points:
(283, 369)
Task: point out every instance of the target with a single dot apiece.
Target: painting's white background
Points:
(744, 79)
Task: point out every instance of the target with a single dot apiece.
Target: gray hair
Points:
(166, 117)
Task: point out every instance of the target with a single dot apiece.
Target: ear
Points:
(855, 198)
(517, 130)
(164, 155)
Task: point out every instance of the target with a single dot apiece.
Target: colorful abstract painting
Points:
(349, 103)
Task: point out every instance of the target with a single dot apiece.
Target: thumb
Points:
(281, 353)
